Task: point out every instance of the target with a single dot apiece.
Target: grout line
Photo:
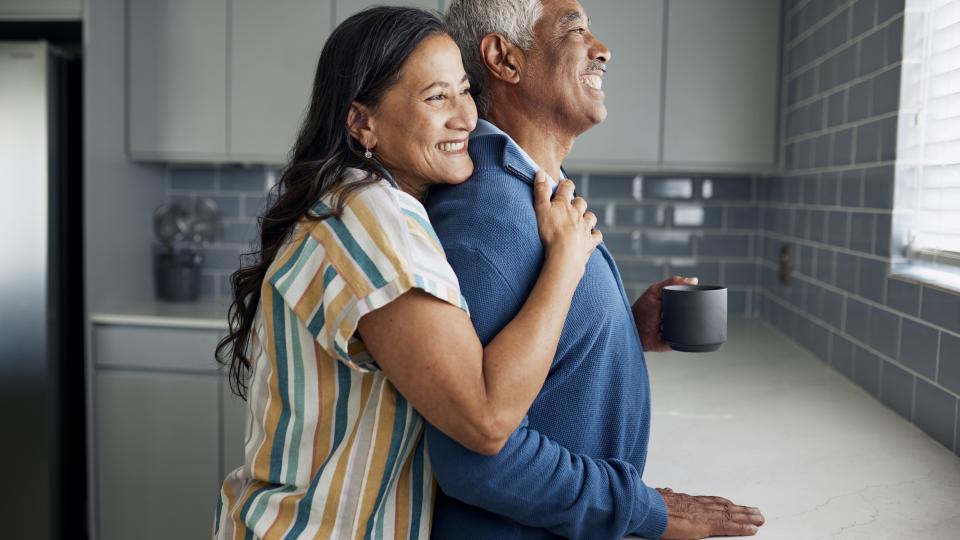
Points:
(843, 127)
(936, 365)
(823, 22)
(913, 400)
(819, 245)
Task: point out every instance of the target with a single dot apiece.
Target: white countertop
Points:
(764, 423)
(202, 314)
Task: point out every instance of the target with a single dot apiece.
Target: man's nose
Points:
(599, 51)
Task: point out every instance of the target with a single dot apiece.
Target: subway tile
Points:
(240, 233)
(949, 370)
(872, 55)
(647, 215)
(815, 116)
(888, 139)
(604, 186)
(838, 228)
(897, 390)
(839, 28)
(843, 147)
(200, 179)
(697, 215)
(829, 193)
(941, 308)
(818, 225)
(739, 273)
(886, 92)
(882, 231)
(823, 150)
(220, 258)
(868, 143)
(643, 272)
(741, 217)
(229, 205)
(878, 186)
(841, 354)
(254, 205)
(885, 332)
(728, 189)
(851, 189)
(866, 371)
(857, 322)
(956, 438)
(737, 302)
(667, 188)
(806, 260)
(819, 341)
(858, 106)
(209, 285)
(670, 243)
(864, 14)
(846, 272)
(708, 273)
(826, 260)
(894, 41)
(831, 308)
(724, 245)
(887, 9)
(621, 243)
(827, 74)
(918, 347)
(809, 192)
(836, 108)
(847, 64)
(872, 279)
(861, 232)
(243, 179)
(935, 412)
(903, 296)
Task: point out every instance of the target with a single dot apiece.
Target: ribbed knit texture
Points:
(574, 466)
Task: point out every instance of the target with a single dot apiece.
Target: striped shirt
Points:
(332, 450)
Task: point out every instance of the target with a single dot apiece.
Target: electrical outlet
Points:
(786, 264)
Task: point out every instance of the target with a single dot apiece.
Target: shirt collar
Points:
(515, 159)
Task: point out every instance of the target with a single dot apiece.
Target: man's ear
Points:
(503, 59)
(360, 125)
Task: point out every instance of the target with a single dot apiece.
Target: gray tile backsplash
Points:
(898, 340)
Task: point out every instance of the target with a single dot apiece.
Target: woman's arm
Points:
(430, 351)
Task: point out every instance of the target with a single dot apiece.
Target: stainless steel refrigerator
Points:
(42, 492)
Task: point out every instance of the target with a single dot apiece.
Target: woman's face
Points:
(422, 125)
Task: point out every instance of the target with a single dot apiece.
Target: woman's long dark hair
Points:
(360, 62)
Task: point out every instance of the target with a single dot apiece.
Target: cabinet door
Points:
(273, 56)
(157, 454)
(721, 83)
(41, 9)
(346, 8)
(233, 428)
(630, 136)
(176, 80)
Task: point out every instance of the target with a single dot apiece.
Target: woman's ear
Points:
(360, 125)
(503, 59)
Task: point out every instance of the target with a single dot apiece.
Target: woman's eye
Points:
(438, 97)
(465, 91)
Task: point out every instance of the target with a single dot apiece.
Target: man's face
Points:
(564, 71)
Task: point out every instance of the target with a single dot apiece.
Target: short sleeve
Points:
(337, 270)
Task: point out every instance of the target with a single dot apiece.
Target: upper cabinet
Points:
(176, 80)
(346, 8)
(274, 48)
(722, 84)
(630, 136)
(41, 10)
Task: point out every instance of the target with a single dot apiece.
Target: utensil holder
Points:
(177, 274)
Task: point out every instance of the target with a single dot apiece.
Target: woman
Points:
(352, 319)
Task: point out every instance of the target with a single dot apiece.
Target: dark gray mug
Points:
(695, 317)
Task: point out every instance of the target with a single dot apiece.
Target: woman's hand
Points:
(566, 226)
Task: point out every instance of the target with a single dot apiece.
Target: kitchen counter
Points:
(203, 314)
(764, 423)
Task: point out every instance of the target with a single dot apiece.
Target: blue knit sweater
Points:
(573, 468)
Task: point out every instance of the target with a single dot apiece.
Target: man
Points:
(573, 468)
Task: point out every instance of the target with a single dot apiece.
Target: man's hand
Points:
(646, 311)
(691, 518)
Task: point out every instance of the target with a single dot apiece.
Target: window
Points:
(928, 156)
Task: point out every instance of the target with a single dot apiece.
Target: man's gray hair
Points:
(471, 20)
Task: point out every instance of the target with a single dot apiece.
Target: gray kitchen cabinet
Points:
(630, 136)
(721, 84)
(41, 9)
(157, 453)
(176, 80)
(274, 47)
(346, 8)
